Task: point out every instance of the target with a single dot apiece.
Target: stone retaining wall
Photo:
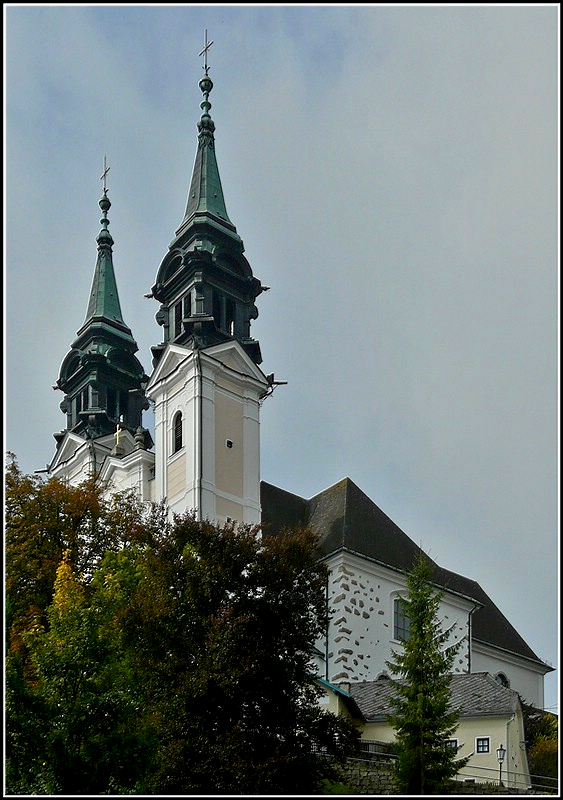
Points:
(376, 778)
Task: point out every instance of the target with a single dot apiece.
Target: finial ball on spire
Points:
(104, 203)
(206, 84)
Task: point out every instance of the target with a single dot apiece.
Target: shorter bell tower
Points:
(101, 378)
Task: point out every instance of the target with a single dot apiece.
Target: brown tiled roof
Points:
(347, 519)
(477, 695)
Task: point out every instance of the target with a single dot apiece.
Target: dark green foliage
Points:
(236, 707)
(160, 657)
(423, 719)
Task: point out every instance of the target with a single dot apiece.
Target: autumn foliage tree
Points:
(542, 743)
(43, 520)
(62, 659)
(156, 655)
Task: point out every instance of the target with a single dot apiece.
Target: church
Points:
(206, 388)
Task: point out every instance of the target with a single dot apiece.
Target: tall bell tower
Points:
(206, 384)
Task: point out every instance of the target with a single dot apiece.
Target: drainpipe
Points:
(469, 637)
(512, 718)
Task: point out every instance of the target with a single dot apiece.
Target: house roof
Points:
(477, 695)
(347, 519)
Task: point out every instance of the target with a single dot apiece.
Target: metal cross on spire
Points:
(103, 175)
(203, 53)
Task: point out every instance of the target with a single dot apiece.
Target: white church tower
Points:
(206, 387)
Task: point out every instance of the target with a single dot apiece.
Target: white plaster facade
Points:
(524, 675)
(216, 471)
(116, 459)
(361, 596)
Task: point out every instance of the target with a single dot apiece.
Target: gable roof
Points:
(477, 695)
(347, 519)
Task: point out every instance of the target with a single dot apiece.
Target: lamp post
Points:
(501, 752)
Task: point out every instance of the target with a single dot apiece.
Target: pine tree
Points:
(423, 718)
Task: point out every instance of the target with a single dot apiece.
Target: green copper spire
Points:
(206, 194)
(104, 300)
(205, 284)
(101, 377)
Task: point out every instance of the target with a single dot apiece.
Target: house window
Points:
(177, 432)
(451, 744)
(483, 744)
(188, 305)
(401, 620)
(502, 679)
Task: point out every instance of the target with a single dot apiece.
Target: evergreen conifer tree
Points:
(423, 718)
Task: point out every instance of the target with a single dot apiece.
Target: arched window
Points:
(177, 433)
(501, 678)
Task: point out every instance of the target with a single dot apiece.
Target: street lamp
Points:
(501, 752)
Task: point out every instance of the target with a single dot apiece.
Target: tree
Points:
(542, 742)
(423, 717)
(225, 621)
(149, 655)
(44, 519)
(92, 738)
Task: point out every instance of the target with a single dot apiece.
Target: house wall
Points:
(335, 703)
(483, 767)
(509, 732)
(361, 598)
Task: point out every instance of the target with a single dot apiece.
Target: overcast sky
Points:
(392, 171)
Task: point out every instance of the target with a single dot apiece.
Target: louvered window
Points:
(177, 432)
(178, 319)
